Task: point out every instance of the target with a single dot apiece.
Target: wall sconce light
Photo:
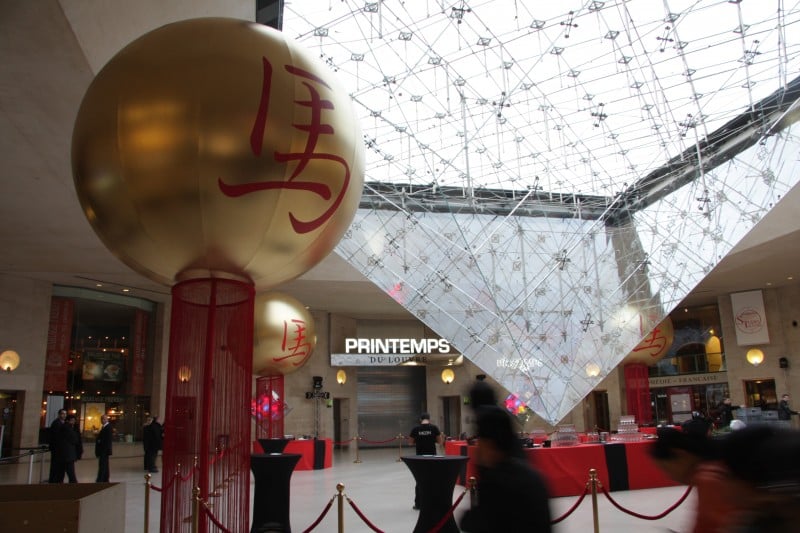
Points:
(755, 356)
(448, 376)
(9, 360)
(341, 377)
(184, 374)
(592, 370)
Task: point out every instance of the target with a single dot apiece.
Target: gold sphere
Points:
(217, 148)
(284, 334)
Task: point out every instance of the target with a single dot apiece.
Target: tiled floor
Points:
(382, 488)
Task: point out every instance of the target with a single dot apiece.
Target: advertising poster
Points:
(749, 318)
(101, 365)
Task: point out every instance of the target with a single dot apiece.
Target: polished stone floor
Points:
(381, 487)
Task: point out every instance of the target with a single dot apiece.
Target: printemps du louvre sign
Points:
(393, 352)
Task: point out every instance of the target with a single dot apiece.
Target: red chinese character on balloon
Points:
(314, 130)
(295, 343)
(654, 343)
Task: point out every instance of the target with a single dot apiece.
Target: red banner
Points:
(138, 353)
(59, 336)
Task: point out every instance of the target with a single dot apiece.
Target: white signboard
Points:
(749, 318)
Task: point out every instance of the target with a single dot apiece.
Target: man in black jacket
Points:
(151, 439)
(102, 450)
(784, 411)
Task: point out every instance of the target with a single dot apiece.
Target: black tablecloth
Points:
(272, 473)
(436, 478)
(273, 445)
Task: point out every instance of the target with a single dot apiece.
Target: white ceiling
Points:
(50, 51)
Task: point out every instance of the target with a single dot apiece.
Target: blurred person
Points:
(102, 449)
(784, 411)
(690, 457)
(765, 460)
(424, 436)
(512, 496)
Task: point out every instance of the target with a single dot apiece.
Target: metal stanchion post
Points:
(340, 505)
(146, 502)
(593, 483)
(42, 451)
(358, 460)
(30, 467)
(473, 491)
(196, 510)
(176, 510)
(399, 448)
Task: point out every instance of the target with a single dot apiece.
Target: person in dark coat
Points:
(725, 413)
(512, 496)
(70, 448)
(102, 450)
(784, 411)
(152, 441)
(57, 467)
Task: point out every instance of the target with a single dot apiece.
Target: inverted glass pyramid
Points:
(547, 182)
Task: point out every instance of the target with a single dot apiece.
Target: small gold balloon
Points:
(218, 148)
(284, 334)
(654, 346)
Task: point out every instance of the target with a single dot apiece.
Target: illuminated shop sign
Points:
(389, 352)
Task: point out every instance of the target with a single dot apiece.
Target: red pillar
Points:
(637, 392)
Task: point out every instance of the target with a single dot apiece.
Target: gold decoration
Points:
(217, 148)
(654, 346)
(284, 332)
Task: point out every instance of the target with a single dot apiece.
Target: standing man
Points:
(57, 466)
(425, 437)
(102, 450)
(152, 439)
(784, 411)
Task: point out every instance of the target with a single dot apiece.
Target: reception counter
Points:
(620, 466)
(315, 454)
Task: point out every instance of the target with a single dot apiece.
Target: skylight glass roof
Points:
(546, 181)
(586, 96)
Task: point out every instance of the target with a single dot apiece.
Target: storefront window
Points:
(697, 345)
(99, 360)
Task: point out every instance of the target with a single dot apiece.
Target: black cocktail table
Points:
(436, 478)
(272, 473)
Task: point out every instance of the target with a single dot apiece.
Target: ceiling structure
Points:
(511, 154)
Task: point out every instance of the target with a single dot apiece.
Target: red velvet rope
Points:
(155, 488)
(343, 442)
(188, 476)
(379, 441)
(211, 517)
(321, 516)
(361, 515)
(446, 517)
(645, 517)
(571, 509)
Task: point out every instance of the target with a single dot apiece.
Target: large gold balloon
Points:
(654, 346)
(217, 148)
(284, 334)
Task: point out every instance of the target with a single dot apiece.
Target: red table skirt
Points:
(315, 454)
(620, 466)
